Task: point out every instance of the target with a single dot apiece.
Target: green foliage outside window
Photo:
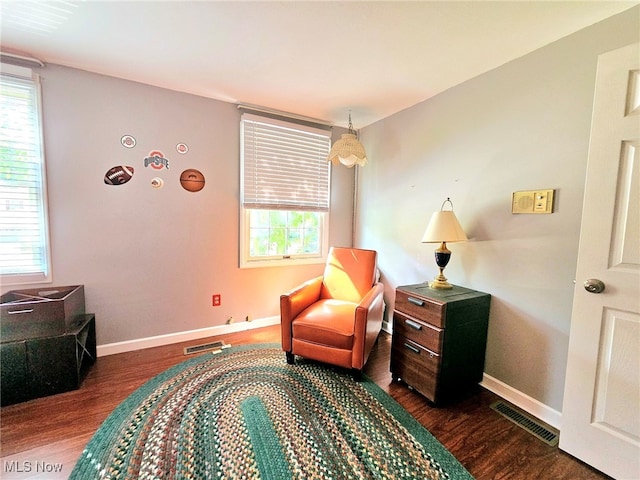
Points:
(282, 233)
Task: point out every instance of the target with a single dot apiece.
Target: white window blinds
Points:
(284, 165)
(23, 220)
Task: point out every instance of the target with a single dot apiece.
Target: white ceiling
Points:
(317, 59)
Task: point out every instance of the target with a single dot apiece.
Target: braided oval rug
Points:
(247, 414)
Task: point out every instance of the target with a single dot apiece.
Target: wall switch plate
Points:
(532, 201)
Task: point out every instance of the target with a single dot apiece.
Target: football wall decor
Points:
(118, 175)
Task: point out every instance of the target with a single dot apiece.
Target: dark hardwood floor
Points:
(53, 430)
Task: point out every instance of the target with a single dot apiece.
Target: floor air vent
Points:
(216, 346)
(529, 423)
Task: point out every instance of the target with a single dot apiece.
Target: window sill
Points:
(24, 279)
(282, 262)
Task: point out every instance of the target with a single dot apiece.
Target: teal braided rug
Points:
(247, 414)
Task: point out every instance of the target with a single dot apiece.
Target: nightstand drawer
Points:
(431, 312)
(411, 352)
(420, 332)
(415, 365)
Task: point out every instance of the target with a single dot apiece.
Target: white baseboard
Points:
(525, 402)
(159, 340)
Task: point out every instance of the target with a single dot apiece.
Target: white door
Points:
(601, 410)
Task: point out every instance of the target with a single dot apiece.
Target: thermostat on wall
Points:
(534, 201)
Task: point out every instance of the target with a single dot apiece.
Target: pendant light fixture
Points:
(348, 150)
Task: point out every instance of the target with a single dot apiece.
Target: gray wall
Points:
(151, 259)
(523, 126)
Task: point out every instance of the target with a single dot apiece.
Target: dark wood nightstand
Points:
(439, 339)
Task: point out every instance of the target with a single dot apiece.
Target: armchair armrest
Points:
(369, 313)
(368, 302)
(370, 310)
(294, 302)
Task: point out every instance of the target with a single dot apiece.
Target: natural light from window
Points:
(24, 245)
(285, 179)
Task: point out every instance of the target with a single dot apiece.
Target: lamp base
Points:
(440, 284)
(443, 254)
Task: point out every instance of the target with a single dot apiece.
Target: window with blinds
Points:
(24, 243)
(285, 191)
(284, 165)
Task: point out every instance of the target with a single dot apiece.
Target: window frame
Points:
(46, 276)
(246, 261)
(245, 258)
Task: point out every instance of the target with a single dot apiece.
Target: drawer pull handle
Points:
(415, 301)
(413, 324)
(15, 312)
(412, 348)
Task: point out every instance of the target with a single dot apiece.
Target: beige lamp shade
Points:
(348, 151)
(444, 227)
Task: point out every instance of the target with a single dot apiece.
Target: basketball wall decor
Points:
(118, 175)
(192, 180)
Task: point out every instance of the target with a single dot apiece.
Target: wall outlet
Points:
(216, 300)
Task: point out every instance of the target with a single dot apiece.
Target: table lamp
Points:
(442, 228)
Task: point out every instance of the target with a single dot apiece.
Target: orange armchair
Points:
(335, 318)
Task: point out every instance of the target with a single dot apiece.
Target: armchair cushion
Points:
(327, 322)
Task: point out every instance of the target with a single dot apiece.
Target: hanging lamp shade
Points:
(348, 150)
